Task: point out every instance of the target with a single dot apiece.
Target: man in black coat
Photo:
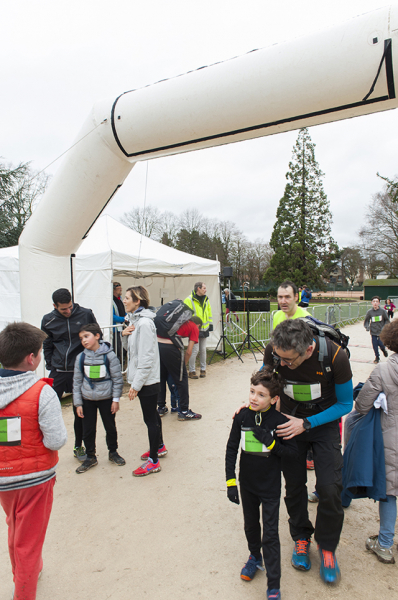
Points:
(61, 347)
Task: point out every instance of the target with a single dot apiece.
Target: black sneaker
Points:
(376, 361)
(385, 352)
(163, 410)
(188, 415)
(87, 464)
(117, 459)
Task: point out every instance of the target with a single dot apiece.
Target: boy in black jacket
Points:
(259, 475)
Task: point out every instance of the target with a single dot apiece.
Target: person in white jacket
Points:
(143, 372)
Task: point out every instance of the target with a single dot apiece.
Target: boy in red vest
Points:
(31, 432)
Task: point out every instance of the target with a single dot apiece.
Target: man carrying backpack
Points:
(306, 296)
(316, 394)
(172, 363)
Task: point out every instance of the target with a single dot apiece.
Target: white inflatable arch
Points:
(343, 72)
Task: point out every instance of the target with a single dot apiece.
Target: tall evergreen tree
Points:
(301, 238)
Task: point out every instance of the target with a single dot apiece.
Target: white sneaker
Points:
(383, 554)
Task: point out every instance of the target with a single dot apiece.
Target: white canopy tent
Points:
(10, 302)
(112, 251)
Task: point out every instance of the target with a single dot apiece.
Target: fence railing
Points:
(112, 334)
(236, 327)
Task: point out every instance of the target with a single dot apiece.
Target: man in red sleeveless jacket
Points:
(31, 432)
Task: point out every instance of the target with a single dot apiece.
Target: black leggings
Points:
(149, 406)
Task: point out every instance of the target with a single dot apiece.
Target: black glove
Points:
(232, 493)
(211, 327)
(263, 435)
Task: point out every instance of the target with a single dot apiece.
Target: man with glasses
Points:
(313, 400)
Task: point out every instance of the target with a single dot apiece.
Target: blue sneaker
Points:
(330, 572)
(301, 555)
(274, 595)
(174, 409)
(250, 568)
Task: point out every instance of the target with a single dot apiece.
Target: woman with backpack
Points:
(143, 372)
(384, 378)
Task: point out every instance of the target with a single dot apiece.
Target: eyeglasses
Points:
(287, 362)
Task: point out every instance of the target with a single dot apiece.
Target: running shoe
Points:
(301, 555)
(174, 409)
(117, 459)
(87, 464)
(274, 595)
(385, 352)
(250, 568)
(376, 361)
(79, 452)
(163, 410)
(161, 452)
(383, 554)
(329, 571)
(147, 468)
(188, 415)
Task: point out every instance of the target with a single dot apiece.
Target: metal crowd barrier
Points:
(109, 333)
(260, 325)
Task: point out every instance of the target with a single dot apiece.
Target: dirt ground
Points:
(174, 535)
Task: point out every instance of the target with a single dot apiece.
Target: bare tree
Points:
(352, 263)
(380, 235)
(20, 192)
(147, 221)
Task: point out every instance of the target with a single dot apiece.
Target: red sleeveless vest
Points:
(31, 456)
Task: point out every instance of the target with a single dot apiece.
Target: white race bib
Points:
(303, 392)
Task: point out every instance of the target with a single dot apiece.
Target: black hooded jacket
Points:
(63, 343)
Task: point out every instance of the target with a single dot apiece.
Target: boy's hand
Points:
(115, 407)
(263, 435)
(79, 411)
(240, 408)
(233, 494)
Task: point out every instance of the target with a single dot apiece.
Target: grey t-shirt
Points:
(376, 319)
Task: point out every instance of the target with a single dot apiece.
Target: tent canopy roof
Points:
(112, 245)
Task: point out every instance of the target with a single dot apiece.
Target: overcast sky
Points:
(59, 57)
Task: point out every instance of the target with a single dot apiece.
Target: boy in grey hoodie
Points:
(31, 432)
(375, 320)
(97, 385)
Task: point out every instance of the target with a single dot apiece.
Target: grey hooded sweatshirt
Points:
(50, 422)
(110, 386)
(143, 352)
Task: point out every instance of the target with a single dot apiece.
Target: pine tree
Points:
(302, 238)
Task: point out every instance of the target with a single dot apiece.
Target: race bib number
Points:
(376, 319)
(10, 431)
(95, 371)
(303, 392)
(250, 444)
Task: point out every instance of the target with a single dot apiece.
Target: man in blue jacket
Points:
(119, 315)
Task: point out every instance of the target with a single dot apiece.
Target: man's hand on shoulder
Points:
(240, 408)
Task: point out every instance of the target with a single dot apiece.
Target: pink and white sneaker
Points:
(147, 468)
(161, 452)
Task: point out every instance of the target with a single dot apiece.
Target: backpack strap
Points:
(324, 358)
